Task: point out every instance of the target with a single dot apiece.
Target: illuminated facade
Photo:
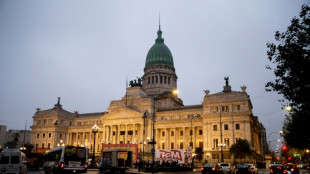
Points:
(215, 124)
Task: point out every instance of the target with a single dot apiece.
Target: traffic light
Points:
(289, 158)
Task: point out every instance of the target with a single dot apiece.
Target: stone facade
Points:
(214, 125)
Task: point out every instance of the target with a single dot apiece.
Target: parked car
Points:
(278, 169)
(243, 169)
(254, 170)
(291, 169)
(211, 169)
(226, 167)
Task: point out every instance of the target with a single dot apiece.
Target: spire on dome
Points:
(159, 32)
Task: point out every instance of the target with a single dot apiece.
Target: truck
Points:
(115, 161)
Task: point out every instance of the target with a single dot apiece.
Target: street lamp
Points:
(279, 132)
(94, 131)
(144, 117)
(153, 142)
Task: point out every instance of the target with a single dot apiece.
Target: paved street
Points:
(94, 171)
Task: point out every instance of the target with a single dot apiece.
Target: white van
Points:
(13, 161)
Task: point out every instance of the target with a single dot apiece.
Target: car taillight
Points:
(271, 171)
(201, 168)
(285, 171)
(62, 165)
(213, 168)
(85, 165)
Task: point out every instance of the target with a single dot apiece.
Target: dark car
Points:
(243, 169)
(291, 169)
(277, 169)
(211, 169)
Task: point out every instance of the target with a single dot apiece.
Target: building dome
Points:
(159, 53)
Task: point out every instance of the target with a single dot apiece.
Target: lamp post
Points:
(94, 131)
(153, 142)
(279, 132)
(144, 117)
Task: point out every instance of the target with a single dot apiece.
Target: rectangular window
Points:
(168, 80)
(156, 79)
(49, 135)
(225, 126)
(214, 127)
(148, 80)
(165, 81)
(181, 145)
(113, 133)
(238, 107)
(200, 132)
(226, 142)
(215, 142)
(78, 137)
(43, 135)
(163, 133)
(122, 132)
(130, 132)
(237, 126)
(172, 145)
(60, 135)
(161, 79)
(201, 144)
(172, 133)
(49, 145)
(42, 145)
(181, 133)
(237, 139)
(163, 145)
(152, 79)
(38, 135)
(191, 132)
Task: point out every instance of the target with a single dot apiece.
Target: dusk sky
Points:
(82, 51)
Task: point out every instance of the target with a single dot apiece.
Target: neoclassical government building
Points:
(218, 122)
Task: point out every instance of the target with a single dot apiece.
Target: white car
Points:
(226, 168)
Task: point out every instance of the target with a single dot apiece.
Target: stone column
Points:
(184, 138)
(194, 136)
(205, 137)
(111, 134)
(233, 133)
(210, 140)
(118, 134)
(134, 133)
(126, 134)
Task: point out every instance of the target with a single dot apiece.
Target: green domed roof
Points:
(159, 53)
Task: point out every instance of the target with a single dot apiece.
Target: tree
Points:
(199, 152)
(240, 149)
(292, 62)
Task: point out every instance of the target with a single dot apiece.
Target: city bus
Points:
(66, 159)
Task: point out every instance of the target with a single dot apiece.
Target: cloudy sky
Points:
(82, 51)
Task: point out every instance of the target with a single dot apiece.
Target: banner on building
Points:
(42, 150)
(170, 155)
(129, 147)
(189, 154)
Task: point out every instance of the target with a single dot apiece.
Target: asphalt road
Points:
(94, 171)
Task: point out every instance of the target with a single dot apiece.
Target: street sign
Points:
(153, 150)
